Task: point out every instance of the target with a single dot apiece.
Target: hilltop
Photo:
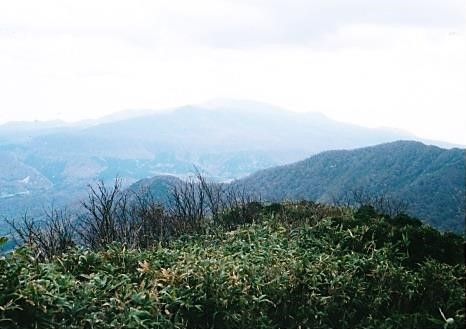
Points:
(295, 265)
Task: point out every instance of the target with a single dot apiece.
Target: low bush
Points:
(326, 270)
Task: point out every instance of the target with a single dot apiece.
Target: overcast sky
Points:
(397, 63)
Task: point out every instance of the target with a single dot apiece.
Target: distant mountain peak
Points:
(238, 103)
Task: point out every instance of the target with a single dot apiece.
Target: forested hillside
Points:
(45, 162)
(428, 179)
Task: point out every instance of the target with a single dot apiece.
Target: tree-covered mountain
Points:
(431, 180)
(424, 181)
(44, 162)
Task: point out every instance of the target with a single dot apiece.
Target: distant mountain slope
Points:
(226, 140)
(431, 179)
(17, 178)
(159, 187)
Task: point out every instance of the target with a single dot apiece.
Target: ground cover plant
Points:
(295, 265)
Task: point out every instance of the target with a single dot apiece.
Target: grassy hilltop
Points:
(297, 265)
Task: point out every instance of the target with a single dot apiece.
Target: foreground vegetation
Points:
(300, 265)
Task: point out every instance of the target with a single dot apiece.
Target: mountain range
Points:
(52, 162)
(428, 180)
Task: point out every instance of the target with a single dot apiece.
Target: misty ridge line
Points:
(226, 141)
(244, 107)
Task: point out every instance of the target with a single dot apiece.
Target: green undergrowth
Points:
(293, 267)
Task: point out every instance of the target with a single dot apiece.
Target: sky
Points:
(391, 63)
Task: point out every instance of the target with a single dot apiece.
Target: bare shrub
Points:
(187, 206)
(381, 202)
(195, 202)
(52, 236)
(98, 224)
(153, 224)
(131, 218)
(242, 207)
(111, 214)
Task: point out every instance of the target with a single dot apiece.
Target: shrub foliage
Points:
(292, 265)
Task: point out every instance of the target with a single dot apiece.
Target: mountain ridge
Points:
(226, 142)
(429, 178)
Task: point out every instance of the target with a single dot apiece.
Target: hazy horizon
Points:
(133, 113)
(386, 64)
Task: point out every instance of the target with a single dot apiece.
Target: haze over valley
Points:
(232, 164)
(45, 163)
